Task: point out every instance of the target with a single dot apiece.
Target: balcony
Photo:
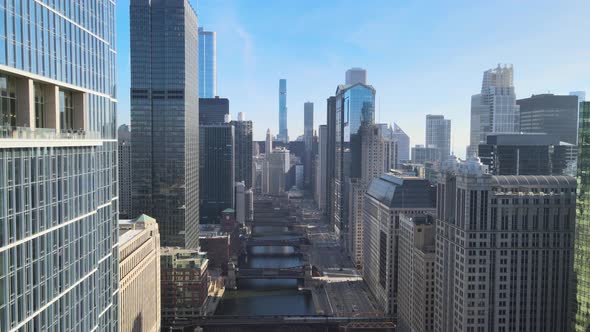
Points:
(26, 133)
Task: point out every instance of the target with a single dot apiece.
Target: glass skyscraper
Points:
(438, 135)
(207, 64)
(58, 166)
(283, 130)
(165, 118)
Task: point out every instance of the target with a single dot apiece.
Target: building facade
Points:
(217, 167)
(243, 142)
(425, 154)
(504, 250)
(438, 134)
(124, 159)
(165, 117)
(355, 75)
(308, 139)
(283, 135)
(139, 270)
(387, 197)
(213, 110)
(403, 143)
(207, 63)
(550, 114)
(322, 165)
(416, 273)
(279, 163)
(58, 168)
(494, 110)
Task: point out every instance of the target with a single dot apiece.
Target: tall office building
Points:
(416, 273)
(403, 143)
(331, 160)
(389, 196)
(279, 163)
(438, 134)
(283, 135)
(355, 75)
(213, 110)
(308, 140)
(580, 94)
(216, 170)
(550, 114)
(581, 305)
(165, 118)
(139, 270)
(207, 64)
(425, 154)
(322, 178)
(58, 168)
(124, 159)
(504, 250)
(243, 150)
(494, 110)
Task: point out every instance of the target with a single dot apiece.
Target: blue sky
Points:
(422, 57)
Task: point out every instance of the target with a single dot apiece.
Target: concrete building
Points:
(124, 159)
(216, 243)
(388, 196)
(504, 250)
(240, 202)
(416, 273)
(356, 75)
(139, 275)
(494, 110)
(283, 135)
(249, 205)
(213, 110)
(184, 285)
(308, 139)
(322, 171)
(403, 143)
(243, 149)
(165, 117)
(278, 167)
(424, 154)
(216, 170)
(550, 114)
(438, 134)
(207, 63)
(58, 167)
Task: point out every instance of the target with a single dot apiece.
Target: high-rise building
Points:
(184, 275)
(581, 304)
(388, 196)
(416, 273)
(124, 138)
(504, 250)
(207, 64)
(403, 143)
(550, 114)
(139, 270)
(321, 178)
(240, 199)
(165, 118)
(580, 94)
(283, 135)
(278, 166)
(356, 75)
(438, 134)
(243, 141)
(331, 160)
(213, 110)
(524, 154)
(494, 110)
(424, 154)
(308, 139)
(217, 167)
(58, 167)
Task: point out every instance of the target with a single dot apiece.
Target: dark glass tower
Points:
(308, 139)
(243, 138)
(165, 117)
(213, 110)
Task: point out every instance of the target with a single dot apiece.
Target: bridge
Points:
(272, 222)
(262, 242)
(296, 272)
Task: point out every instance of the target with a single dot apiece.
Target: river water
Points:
(257, 297)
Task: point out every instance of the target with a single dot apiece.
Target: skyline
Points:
(426, 51)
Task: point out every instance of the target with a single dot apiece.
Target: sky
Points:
(423, 57)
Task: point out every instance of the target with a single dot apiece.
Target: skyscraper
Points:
(581, 303)
(213, 110)
(330, 160)
(58, 168)
(243, 150)
(165, 118)
(356, 75)
(207, 64)
(124, 138)
(321, 177)
(403, 143)
(494, 110)
(438, 134)
(283, 130)
(550, 114)
(308, 139)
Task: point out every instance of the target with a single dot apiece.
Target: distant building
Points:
(524, 154)
(278, 166)
(243, 141)
(322, 165)
(416, 286)
(125, 181)
(403, 143)
(184, 285)
(240, 202)
(504, 250)
(387, 197)
(494, 110)
(550, 114)
(356, 75)
(308, 139)
(216, 244)
(330, 161)
(438, 134)
(213, 110)
(139, 275)
(422, 154)
(217, 166)
(207, 63)
(283, 135)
